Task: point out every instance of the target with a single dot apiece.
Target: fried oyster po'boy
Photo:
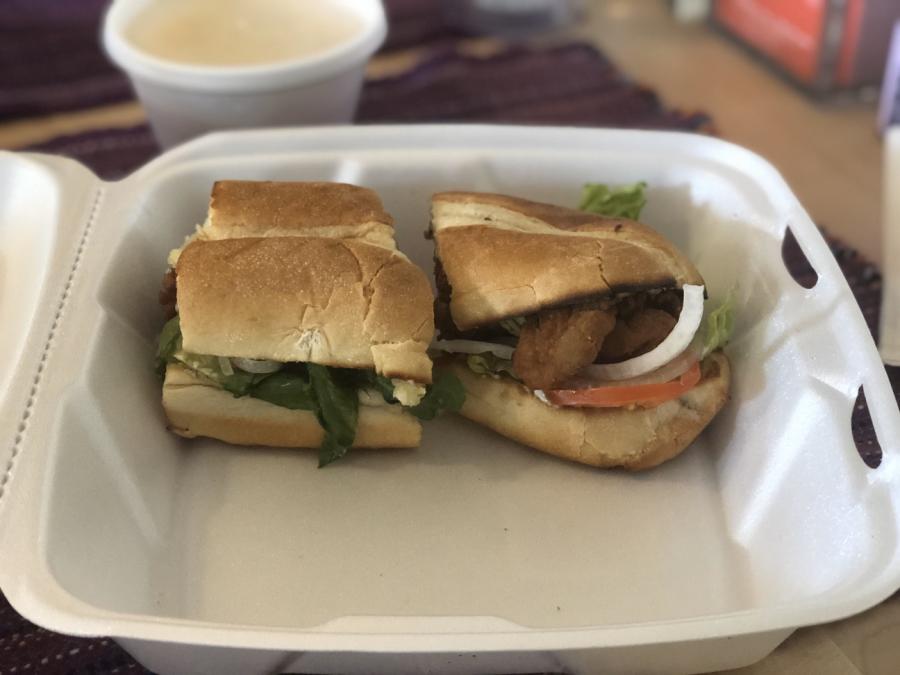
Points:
(297, 323)
(575, 333)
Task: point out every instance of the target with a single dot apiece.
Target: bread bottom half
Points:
(195, 407)
(639, 438)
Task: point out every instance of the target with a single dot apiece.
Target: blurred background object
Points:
(691, 10)
(889, 106)
(822, 45)
(889, 123)
(511, 18)
(890, 305)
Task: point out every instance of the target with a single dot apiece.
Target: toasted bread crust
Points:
(283, 209)
(505, 256)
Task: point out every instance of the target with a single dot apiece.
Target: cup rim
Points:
(279, 75)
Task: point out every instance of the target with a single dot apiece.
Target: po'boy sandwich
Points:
(284, 339)
(577, 334)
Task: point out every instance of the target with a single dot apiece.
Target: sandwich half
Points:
(577, 334)
(299, 341)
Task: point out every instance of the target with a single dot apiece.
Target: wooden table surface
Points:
(830, 154)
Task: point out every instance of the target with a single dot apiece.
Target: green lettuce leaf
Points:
(445, 393)
(240, 383)
(621, 202)
(719, 325)
(381, 384)
(490, 364)
(337, 410)
(169, 343)
(288, 389)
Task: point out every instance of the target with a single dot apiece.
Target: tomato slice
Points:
(612, 396)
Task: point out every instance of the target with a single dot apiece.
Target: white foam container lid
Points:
(471, 554)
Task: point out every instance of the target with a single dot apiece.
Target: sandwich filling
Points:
(638, 349)
(332, 394)
(559, 354)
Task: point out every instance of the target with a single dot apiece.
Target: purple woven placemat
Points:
(51, 59)
(571, 84)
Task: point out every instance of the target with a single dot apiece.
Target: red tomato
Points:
(613, 396)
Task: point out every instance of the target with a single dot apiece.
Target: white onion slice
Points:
(587, 378)
(257, 366)
(541, 396)
(674, 344)
(474, 347)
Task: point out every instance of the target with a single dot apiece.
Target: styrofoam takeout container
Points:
(185, 100)
(471, 554)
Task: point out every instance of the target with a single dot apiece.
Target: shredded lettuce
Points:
(625, 201)
(490, 364)
(332, 394)
(719, 325)
(238, 382)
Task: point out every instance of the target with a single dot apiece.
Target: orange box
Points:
(822, 44)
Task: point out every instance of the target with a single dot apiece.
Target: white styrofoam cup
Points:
(184, 100)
